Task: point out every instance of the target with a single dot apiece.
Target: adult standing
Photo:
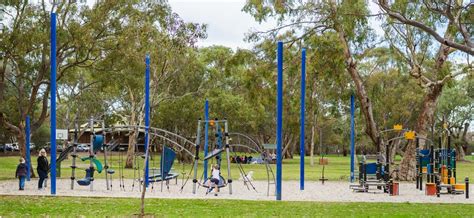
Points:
(42, 168)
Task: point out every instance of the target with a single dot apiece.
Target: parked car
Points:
(9, 147)
(82, 147)
(59, 148)
(15, 147)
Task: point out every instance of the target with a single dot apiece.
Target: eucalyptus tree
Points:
(147, 28)
(24, 57)
(457, 14)
(426, 36)
(456, 109)
(347, 19)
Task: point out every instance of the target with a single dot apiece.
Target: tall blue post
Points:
(147, 115)
(302, 116)
(53, 103)
(206, 135)
(279, 118)
(28, 156)
(352, 139)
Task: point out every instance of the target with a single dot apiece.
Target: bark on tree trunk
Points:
(460, 154)
(426, 117)
(408, 163)
(351, 66)
(312, 146)
(462, 147)
(21, 140)
(285, 152)
(393, 151)
(131, 149)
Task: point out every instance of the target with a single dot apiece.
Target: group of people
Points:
(42, 168)
(241, 159)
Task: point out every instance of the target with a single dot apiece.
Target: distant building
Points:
(120, 136)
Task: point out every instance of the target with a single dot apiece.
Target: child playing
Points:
(216, 177)
(21, 171)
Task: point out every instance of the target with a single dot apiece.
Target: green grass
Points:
(16, 206)
(8, 167)
(337, 170)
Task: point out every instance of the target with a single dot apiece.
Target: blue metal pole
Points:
(53, 103)
(352, 139)
(206, 135)
(218, 141)
(302, 116)
(147, 114)
(28, 156)
(279, 118)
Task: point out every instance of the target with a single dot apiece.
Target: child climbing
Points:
(216, 175)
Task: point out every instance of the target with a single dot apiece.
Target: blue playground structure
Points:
(164, 173)
(219, 147)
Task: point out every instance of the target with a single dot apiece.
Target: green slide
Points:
(98, 164)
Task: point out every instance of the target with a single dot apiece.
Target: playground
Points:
(333, 190)
(319, 109)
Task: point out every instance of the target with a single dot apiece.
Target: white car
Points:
(82, 147)
(15, 147)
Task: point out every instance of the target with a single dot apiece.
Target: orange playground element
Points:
(430, 189)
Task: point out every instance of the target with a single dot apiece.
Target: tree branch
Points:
(396, 15)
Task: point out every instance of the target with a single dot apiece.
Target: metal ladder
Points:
(271, 180)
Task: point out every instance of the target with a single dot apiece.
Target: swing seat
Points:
(84, 182)
(110, 171)
(214, 153)
(87, 180)
(208, 184)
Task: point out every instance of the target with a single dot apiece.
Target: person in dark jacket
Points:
(20, 173)
(43, 168)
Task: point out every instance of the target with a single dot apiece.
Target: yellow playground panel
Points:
(398, 127)
(410, 135)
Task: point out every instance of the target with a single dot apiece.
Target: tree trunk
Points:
(351, 66)
(408, 164)
(21, 140)
(132, 141)
(462, 147)
(393, 151)
(312, 146)
(460, 154)
(132, 138)
(144, 186)
(285, 152)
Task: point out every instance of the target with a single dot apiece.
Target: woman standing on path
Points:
(43, 168)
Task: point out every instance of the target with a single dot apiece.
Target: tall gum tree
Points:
(147, 28)
(414, 31)
(24, 57)
(348, 19)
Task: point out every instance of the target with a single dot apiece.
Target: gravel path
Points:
(314, 191)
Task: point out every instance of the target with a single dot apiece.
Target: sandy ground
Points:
(314, 191)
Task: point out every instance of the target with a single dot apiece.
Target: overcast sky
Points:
(227, 23)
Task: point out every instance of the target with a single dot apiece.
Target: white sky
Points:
(227, 24)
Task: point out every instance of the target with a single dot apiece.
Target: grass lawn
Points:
(11, 206)
(337, 170)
